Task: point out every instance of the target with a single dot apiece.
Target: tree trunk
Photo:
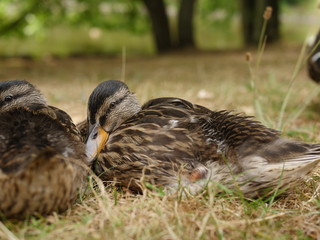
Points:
(247, 10)
(185, 24)
(252, 21)
(160, 24)
(273, 33)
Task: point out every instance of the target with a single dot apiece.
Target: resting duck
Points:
(314, 60)
(42, 157)
(174, 144)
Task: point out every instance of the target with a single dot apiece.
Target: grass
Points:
(218, 80)
(149, 216)
(70, 41)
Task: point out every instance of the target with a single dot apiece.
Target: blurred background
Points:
(62, 28)
(193, 49)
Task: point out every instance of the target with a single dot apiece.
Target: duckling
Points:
(42, 156)
(314, 60)
(174, 144)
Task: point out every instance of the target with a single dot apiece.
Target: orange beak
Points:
(96, 141)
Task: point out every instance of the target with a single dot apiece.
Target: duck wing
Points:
(162, 140)
(42, 164)
(58, 115)
(172, 143)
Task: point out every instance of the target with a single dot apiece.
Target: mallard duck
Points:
(314, 60)
(42, 157)
(173, 144)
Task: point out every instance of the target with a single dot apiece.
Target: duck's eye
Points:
(112, 105)
(8, 98)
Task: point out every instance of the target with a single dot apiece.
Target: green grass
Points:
(63, 41)
(149, 216)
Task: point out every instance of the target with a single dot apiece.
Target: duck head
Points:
(19, 93)
(110, 104)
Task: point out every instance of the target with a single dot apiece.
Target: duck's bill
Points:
(95, 142)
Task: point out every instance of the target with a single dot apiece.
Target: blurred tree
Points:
(171, 20)
(252, 21)
(160, 24)
(185, 21)
(163, 38)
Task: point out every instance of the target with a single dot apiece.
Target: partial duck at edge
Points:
(42, 156)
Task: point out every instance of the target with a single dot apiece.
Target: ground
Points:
(217, 80)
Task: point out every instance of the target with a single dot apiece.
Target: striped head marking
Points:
(110, 104)
(19, 93)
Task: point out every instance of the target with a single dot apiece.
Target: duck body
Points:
(42, 158)
(313, 63)
(175, 144)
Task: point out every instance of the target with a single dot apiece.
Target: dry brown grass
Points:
(218, 80)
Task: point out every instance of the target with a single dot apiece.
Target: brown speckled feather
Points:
(173, 143)
(42, 160)
(83, 129)
(172, 135)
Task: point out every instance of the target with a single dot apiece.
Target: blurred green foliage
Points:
(293, 2)
(88, 25)
(29, 17)
(218, 12)
(111, 14)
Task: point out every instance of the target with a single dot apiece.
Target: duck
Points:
(313, 63)
(43, 163)
(175, 146)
